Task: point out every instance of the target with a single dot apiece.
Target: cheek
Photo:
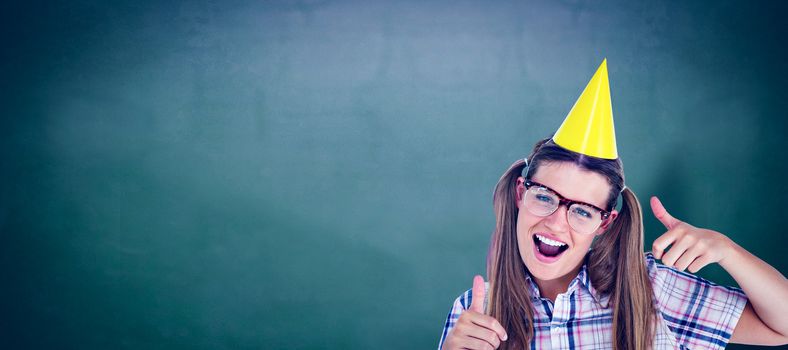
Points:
(525, 224)
(583, 240)
(527, 220)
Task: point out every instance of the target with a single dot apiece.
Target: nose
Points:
(557, 221)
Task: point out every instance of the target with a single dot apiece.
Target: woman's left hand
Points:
(691, 248)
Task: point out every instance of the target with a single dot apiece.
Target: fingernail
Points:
(505, 336)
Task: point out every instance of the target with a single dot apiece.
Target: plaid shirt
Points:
(694, 313)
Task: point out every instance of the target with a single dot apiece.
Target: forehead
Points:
(573, 182)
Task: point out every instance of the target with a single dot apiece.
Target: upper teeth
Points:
(549, 241)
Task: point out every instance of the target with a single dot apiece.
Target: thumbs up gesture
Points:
(688, 247)
(474, 329)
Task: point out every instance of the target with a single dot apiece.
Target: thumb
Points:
(477, 294)
(662, 214)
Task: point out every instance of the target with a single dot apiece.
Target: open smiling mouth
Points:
(548, 247)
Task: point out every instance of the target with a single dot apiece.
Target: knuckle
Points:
(492, 337)
(495, 341)
(478, 343)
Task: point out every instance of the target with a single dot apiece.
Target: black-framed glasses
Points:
(541, 200)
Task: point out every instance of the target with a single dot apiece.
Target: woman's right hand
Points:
(474, 329)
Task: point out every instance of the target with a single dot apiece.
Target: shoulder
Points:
(699, 313)
(673, 288)
(667, 279)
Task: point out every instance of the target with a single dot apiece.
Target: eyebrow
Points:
(562, 196)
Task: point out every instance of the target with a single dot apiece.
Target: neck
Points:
(551, 288)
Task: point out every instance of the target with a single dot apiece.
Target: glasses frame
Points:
(564, 201)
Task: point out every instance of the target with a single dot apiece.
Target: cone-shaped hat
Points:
(588, 129)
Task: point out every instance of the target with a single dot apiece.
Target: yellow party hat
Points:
(588, 128)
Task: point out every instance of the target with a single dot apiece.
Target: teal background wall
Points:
(318, 174)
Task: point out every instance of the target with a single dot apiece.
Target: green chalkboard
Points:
(318, 174)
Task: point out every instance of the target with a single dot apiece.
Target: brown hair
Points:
(616, 264)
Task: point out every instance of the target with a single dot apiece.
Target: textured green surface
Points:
(318, 174)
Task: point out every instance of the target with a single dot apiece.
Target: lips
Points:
(549, 247)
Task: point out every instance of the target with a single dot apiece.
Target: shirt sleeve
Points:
(460, 304)
(700, 313)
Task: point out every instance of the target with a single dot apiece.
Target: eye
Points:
(544, 198)
(585, 214)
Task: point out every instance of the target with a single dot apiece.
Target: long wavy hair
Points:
(616, 264)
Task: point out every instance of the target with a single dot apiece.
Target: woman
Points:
(567, 270)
